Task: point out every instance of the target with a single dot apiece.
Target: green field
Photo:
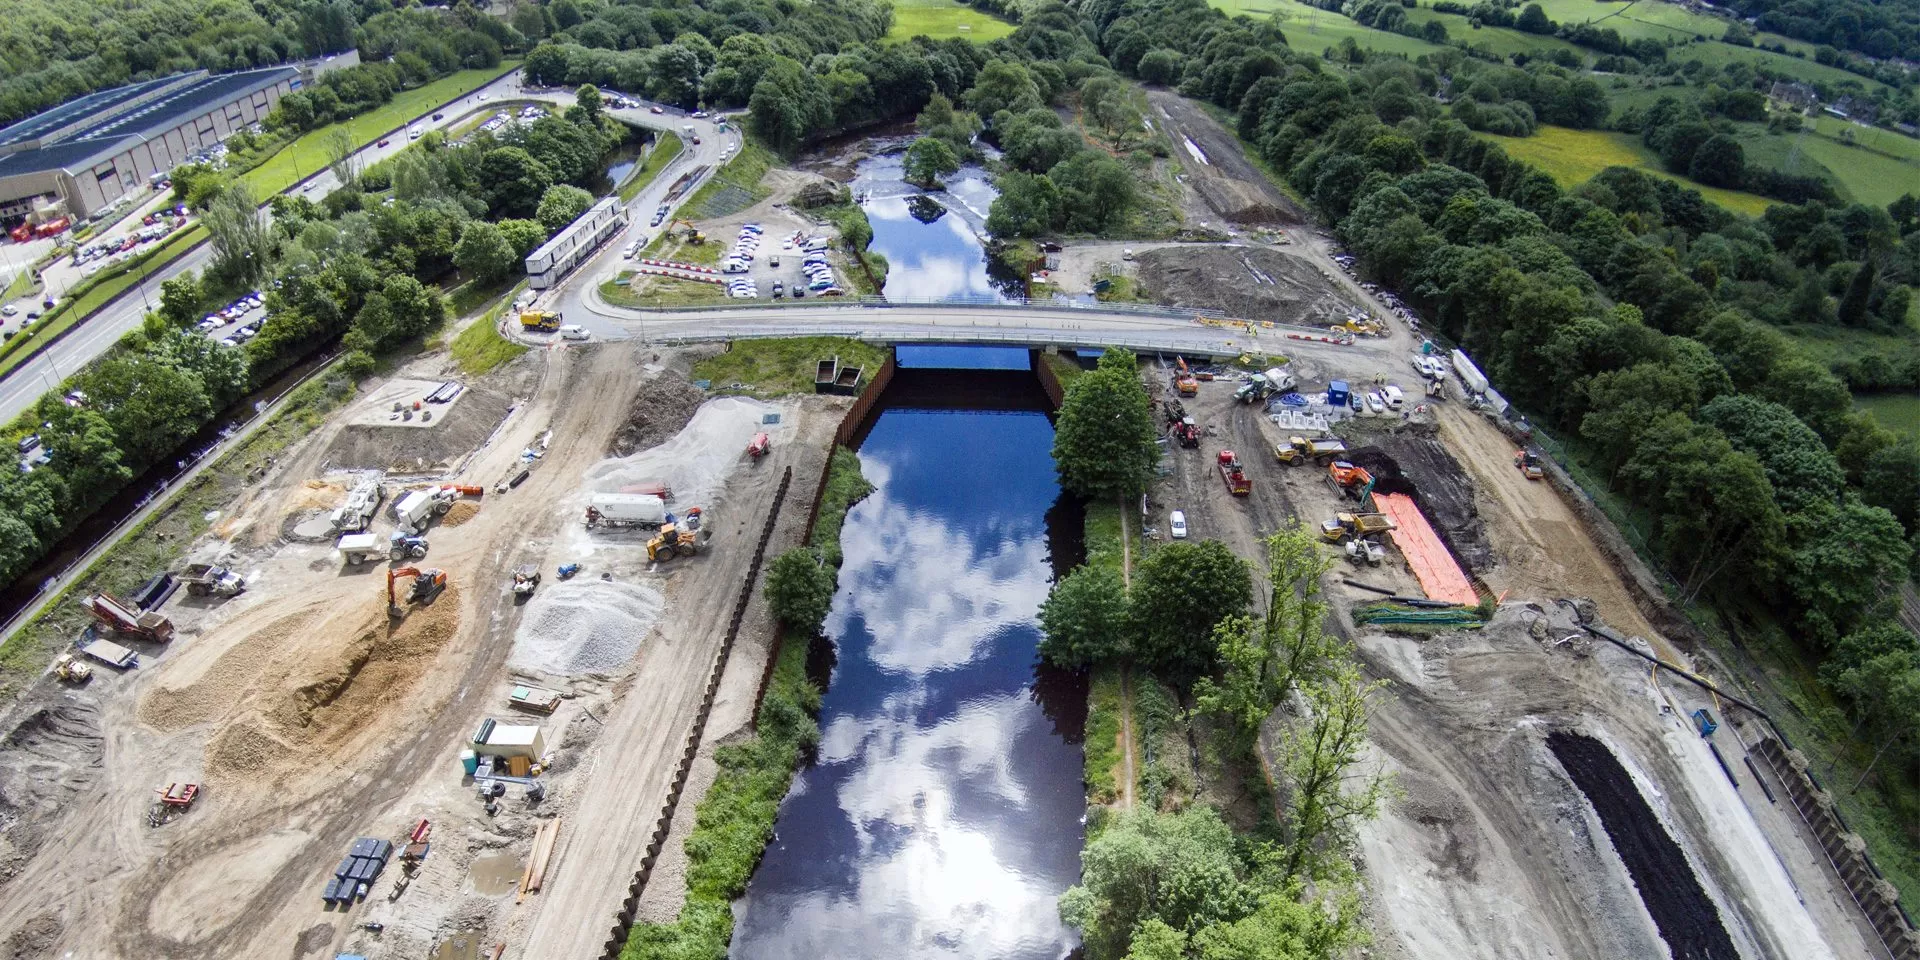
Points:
(1899, 412)
(943, 20)
(1311, 30)
(1573, 156)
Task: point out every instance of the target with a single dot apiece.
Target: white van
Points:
(1395, 399)
(573, 331)
(1177, 525)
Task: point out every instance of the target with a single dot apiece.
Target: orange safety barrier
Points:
(1439, 574)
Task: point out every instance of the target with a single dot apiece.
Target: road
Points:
(24, 385)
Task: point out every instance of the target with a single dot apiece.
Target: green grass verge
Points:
(163, 539)
(307, 155)
(1899, 412)
(662, 292)
(662, 154)
(778, 367)
(480, 348)
(734, 187)
(1106, 703)
(943, 20)
(92, 294)
(1311, 30)
(734, 820)
(846, 486)
(669, 246)
(1572, 157)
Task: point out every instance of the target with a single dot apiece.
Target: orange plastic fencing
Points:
(1435, 567)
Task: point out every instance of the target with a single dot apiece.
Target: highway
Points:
(92, 337)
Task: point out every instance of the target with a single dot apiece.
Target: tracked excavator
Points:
(427, 584)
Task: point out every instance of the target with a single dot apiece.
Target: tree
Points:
(1534, 20)
(1180, 592)
(342, 158)
(1105, 443)
(1845, 558)
(483, 252)
(1095, 189)
(562, 204)
(929, 159)
(1003, 85)
(1318, 757)
(1719, 162)
(1178, 868)
(1854, 303)
(151, 406)
(589, 100)
(1262, 661)
(1802, 472)
(514, 181)
(1028, 206)
(1161, 66)
(180, 300)
(1084, 619)
(241, 238)
(800, 590)
(524, 236)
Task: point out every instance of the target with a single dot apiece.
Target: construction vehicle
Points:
(1356, 525)
(1187, 433)
(1238, 483)
(567, 570)
(1301, 449)
(111, 654)
(402, 547)
(644, 510)
(542, 321)
(1260, 386)
(676, 539)
(1528, 461)
(359, 548)
(1352, 480)
(759, 447)
(174, 800)
(525, 577)
(1366, 551)
(1184, 380)
(427, 584)
(412, 511)
(362, 502)
(121, 617)
(206, 580)
(71, 669)
(693, 234)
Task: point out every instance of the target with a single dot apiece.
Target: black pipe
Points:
(1613, 638)
(1722, 761)
(1757, 778)
(1364, 586)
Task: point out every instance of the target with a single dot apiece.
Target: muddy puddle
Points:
(493, 874)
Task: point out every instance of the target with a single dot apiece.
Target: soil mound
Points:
(460, 512)
(433, 449)
(660, 409)
(1254, 283)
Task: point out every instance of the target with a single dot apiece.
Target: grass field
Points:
(1573, 156)
(663, 153)
(943, 20)
(734, 187)
(1311, 30)
(480, 347)
(1899, 412)
(781, 367)
(663, 292)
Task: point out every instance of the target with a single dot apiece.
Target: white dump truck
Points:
(362, 502)
(412, 511)
(361, 548)
(626, 510)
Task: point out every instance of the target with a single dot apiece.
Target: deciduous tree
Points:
(1105, 443)
(1084, 619)
(1180, 592)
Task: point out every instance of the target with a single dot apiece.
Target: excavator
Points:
(427, 585)
(693, 234)
(1183, 380)
(1353, 480)
(678, 539)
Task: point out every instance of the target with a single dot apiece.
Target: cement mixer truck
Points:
(614, 510)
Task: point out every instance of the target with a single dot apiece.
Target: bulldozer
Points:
(1528, 461)
(71, 669)
(677, 539)
(427, 584)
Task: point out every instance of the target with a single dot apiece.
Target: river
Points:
(942, 815)
(932, 240)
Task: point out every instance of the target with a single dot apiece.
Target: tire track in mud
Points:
(1686, 917)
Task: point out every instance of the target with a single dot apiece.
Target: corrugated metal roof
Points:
(168, 111)
(74, 111)
(73, 156)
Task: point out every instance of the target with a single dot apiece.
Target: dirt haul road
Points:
(309, 722)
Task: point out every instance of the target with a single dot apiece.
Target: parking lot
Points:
(237, 322)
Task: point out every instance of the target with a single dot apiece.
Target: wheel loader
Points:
(679, 539)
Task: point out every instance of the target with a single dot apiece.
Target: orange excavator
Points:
(1353, 480)
(427, 584)
(1184, 380)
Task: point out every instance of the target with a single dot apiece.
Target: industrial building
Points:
(79, 157)
(549, 264)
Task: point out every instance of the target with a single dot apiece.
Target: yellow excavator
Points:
(693, 234)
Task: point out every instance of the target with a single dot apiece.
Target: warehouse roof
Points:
(70, 156)
(99, 103)
(168, 111)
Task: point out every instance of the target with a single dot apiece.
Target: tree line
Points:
(362, 266)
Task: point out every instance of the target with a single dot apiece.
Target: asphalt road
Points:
(24, 385)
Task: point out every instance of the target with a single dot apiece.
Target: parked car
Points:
(9, 310)
(439, 116)
(1177, 525)
(383, 142)
(573, 331)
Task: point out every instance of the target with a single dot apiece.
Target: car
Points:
(483, 97)
(28, 442)
(309, 185)
(696, 141)
(229, 342)
(656, 109)
(211, 324)
(1177, 525)
(439, 116)
(9, 310)
(774, 261)
(76, 398)
(697, 114)
(777, 288)
(32, 315)
(383, 142)
(413, 134)
(573, 331)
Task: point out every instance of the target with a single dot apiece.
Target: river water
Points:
(932, 241)
(942, 816)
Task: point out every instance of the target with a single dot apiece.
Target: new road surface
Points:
(24, 385)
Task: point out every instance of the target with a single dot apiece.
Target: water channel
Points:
(932, 241)
(942, 815)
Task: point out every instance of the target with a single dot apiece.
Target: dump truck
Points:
(1356, 525)
(412, 511)
(1301, 449)
(533, 699)
(121, 617)
(359, 548)
(1528, 462)
(642, 510)
(362, 502)
(206, 580)
(1238, 483)
(677, 539)
(426, 585)
(111, 654)
(541, 321)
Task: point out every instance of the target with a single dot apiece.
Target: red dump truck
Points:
(1238, 483)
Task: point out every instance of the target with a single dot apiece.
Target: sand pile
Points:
(460, 512)
(585, 626)
(695, 463)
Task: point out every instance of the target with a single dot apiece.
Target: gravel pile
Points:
(694, 464)
(585, 626)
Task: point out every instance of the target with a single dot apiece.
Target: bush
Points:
(800, 588)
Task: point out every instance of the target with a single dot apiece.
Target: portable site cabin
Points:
(509, 740)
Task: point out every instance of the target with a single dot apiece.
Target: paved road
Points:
(24, 385)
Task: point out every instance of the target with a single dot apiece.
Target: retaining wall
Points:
(623, 922)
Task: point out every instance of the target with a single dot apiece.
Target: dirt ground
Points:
(1227, 182)
(1251, 282)
(1487, 849)
(309, 718)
